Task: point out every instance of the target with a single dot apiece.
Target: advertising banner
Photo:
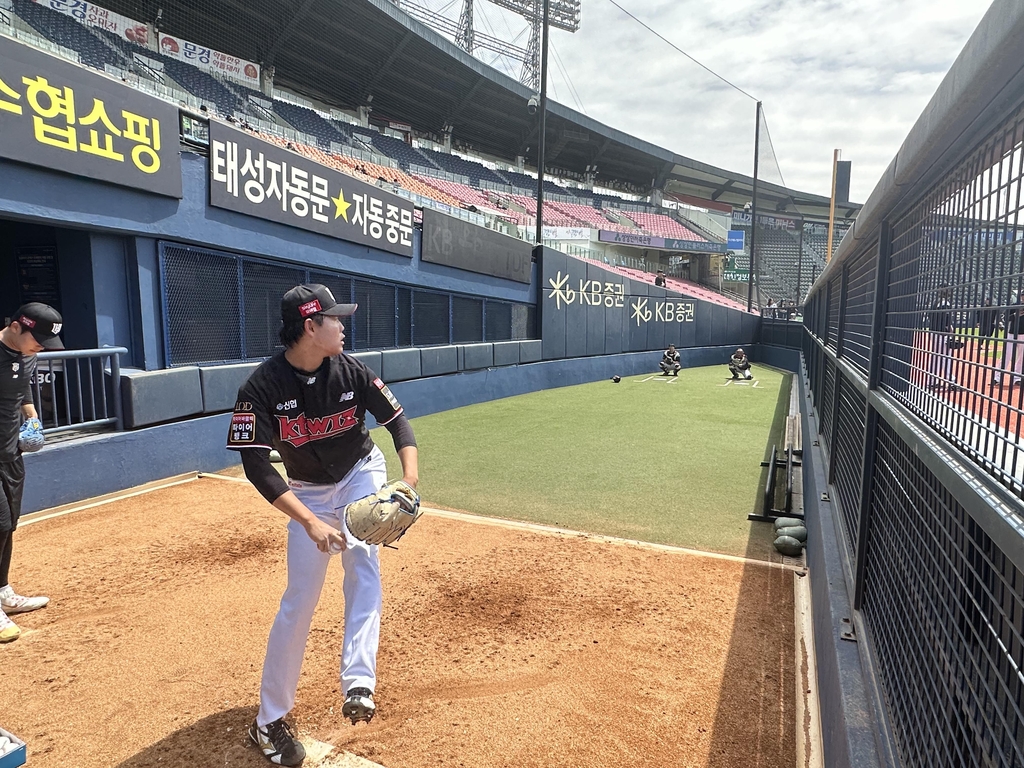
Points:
(565, 233)
(736, 275)
(742, 218)
(245, 72)
(257, 178)
(736, 240)
(463, 245)
(662, 243)
(92, 15)
(63, 117)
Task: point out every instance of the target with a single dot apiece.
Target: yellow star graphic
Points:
(341, 206)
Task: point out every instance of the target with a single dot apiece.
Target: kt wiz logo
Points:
(301, 430)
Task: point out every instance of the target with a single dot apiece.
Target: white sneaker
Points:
(8, 629)
(11, 602)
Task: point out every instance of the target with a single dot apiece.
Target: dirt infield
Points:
(499, 647)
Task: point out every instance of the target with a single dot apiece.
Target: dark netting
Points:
(374, 322)
(467, 320)
(524, 321)
(403, 313)
(499, 321)
(201, 305)
(848, 453)
(860, 296)
(263, 285)
(945, 608)
(430, 318)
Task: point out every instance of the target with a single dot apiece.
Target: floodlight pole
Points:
(543, 120)
(753, 211)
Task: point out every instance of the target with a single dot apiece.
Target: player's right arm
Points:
(251, 435)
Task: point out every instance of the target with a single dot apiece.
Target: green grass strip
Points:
(672, 463)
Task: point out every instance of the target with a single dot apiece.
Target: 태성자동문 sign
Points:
(63, 117)
(252, 176)
(662, 243)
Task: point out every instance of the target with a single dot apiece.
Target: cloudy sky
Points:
(832, 74)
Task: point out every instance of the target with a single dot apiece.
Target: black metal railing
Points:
(78, 389)
(914, 354)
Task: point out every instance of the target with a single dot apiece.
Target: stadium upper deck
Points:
(344, 52)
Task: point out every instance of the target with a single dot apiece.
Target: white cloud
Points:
(830, 73)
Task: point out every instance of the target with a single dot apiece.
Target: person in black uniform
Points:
(34, 328)
(670, 361)
(309, 403)
(659, 279)
(940, 336)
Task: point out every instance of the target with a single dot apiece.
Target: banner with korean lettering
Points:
(586, 309)
(66, 118)
(662, 243)
(246, 72)
(92, 15)
(252, 176)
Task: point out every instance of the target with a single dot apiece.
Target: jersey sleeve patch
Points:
(387, 393)
(243, 429)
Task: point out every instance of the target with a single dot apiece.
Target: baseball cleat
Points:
(12, 602)
(359, 705)
(277, 742)
(8, 629)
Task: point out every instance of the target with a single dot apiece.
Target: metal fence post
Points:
(867, 470)
(115, 376)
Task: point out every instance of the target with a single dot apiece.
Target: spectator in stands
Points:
(1012, 362)
(670, 361)
(659, 279)
(940, 342)
(34, 328)
(739, 365)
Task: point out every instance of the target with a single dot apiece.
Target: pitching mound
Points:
(499, 646)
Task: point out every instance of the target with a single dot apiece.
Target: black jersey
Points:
(316, 421)
(16, 371)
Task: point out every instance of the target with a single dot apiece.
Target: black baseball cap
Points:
(43, 322)
(304, 301)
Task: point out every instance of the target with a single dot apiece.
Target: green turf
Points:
(673, 463)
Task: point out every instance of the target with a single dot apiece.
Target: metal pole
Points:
(799, 267)
(543, 119)
(832, 205)
(753, 211)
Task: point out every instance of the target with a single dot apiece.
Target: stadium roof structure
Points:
(344, 52)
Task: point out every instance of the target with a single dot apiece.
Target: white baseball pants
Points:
(307, 568)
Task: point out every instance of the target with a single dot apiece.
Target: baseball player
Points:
(309, 403)
(34, 328)
(670, 361)
(739, 365)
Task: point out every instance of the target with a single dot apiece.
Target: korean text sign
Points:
(60, 116)
(252, 176)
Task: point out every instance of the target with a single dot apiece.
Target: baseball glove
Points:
(30, 438)
(384, 517)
